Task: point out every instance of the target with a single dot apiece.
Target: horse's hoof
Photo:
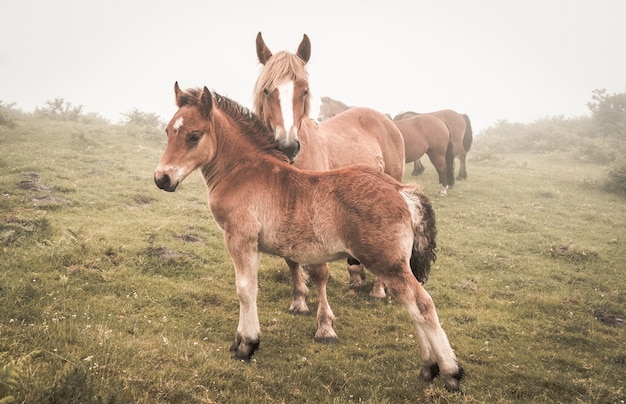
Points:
(299, 309)
(243, 351)
(429, 372)
(453, 382)
(377, 294)
(326, 340)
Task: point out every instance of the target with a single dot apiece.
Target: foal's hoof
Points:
(429, 372)
(242, 350)
(453, 382)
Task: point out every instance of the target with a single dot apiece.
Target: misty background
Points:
(493, 60)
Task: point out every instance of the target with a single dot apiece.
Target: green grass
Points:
(114, 291)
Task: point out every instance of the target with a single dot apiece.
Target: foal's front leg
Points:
(246, 260)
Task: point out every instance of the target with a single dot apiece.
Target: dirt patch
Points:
(190, 238)
(162, 252)
(608, 318)
(32, 185)
(46, 197)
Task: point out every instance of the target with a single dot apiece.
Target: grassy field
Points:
(114, 291)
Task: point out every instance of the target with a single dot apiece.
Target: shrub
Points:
(616, 181)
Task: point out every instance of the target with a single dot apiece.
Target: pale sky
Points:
(492, 59)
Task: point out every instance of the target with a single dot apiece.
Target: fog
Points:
(494, 60)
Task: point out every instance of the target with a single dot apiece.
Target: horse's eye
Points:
(266, 91)
(193, 138)
(305, 93)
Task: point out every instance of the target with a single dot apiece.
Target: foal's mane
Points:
(251, 127)
(281, 67)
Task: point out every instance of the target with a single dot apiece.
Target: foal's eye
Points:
(193, 138)
(266, 91)
(305, 93)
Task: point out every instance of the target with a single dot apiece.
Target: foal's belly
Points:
(308, 254)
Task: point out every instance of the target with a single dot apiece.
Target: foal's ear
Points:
(206, 102)
(262, 51)
(304, 49)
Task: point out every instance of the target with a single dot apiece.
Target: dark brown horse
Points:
(358, 136)
(426, 134)
(461, 135)
(263, 204)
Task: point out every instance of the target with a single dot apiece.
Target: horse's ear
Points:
(206, 102)
(177, 92)
(304, 49)
(262, 51)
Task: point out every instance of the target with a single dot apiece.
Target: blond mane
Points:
(281, 67)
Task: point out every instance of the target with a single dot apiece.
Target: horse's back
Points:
(422, 133)
(364, 135)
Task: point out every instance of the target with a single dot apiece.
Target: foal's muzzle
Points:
(165, 183)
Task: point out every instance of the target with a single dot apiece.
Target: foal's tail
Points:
(423, 220)
(468, 137)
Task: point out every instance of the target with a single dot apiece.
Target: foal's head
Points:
(281, 93)
(207, 124)
(187, 146)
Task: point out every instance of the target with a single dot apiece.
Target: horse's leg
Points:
(357, 274)
(439, 161)
(325, 317)
(418, 168)
(246, 258)
(462, 170)
(357, 279)
(378, 290)
(436, 352)
(299, 289)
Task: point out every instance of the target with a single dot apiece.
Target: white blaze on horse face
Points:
(285, 92)
(178, 123)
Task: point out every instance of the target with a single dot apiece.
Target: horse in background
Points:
(461, 135)
(263, 204)
(422, 134)
(357, 136)
(426, 134)
(330, 107)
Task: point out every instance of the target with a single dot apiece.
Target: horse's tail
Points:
(450, 162)
(423, 221)
(468, 137)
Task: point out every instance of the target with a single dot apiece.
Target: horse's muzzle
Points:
(165, 183)
(291, 151)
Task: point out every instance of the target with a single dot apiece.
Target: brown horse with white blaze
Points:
(263, 204)
(359, 136)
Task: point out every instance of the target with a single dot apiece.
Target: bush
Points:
(616, 181)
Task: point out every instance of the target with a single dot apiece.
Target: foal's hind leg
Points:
(325, 317)
(437, 354)
(299, 289)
